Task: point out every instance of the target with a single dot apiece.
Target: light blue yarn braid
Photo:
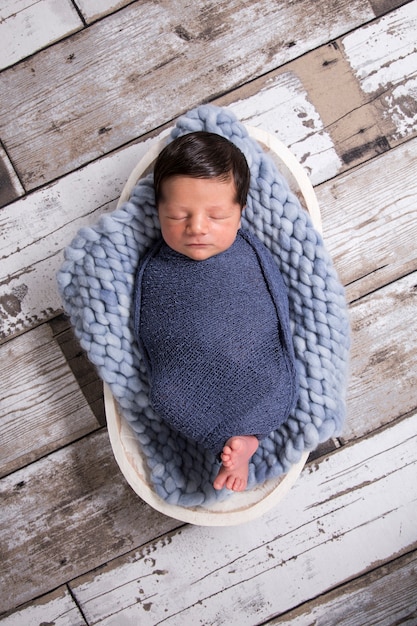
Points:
(96, 283)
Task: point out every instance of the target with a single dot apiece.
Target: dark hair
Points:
(203, 155)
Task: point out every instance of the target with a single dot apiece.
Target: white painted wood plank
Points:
(354, 124)
(283, 108)
(42, 407)
(27, 26)
(394, 38)
(94, 9)
(35, 229)
(369, 220)
(345, 515)
(383, 370)
(385, 597)
(57, 609)
(52, 208)
(99, 91)
(396, 33)
(66, 514)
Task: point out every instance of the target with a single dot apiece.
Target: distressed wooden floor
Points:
(85, 85)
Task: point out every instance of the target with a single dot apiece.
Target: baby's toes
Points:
(226, 460)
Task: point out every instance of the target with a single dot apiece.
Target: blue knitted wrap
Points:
(96, 283)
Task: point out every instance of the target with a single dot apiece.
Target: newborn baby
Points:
(211, 310)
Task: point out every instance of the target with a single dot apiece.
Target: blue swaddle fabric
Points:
(96, 283)
(215, 336)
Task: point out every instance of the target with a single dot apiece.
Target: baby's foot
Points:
(235, 456)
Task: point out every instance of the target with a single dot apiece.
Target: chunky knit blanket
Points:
(96, 283)
(215, 336)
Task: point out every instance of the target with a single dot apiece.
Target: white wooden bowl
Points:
(239, 507)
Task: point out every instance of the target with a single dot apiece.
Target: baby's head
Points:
(203, 155)
(201, 184)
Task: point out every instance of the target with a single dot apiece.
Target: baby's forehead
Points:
(222, 185)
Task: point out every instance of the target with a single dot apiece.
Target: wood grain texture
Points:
(66, 514)
(54, 609)
(320, 93)
(92, 10)
(351, 122)
(35, 229)
(386, 596)
(391, 86)
(42, 407)
(10, 186)
(383, 378)
(362, 87)
(280, 104)
(369, 220)
(100, 89)
(344, 516)
(27, 26)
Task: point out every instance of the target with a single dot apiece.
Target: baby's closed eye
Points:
(219, 215)
(176, 217)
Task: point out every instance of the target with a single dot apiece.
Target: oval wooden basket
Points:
(239, 507)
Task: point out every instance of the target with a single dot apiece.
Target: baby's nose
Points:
(198, 224)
